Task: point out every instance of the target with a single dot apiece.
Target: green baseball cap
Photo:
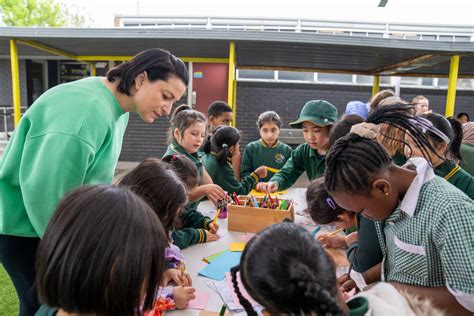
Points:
(318, 112)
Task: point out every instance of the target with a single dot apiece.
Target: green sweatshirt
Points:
(192, 222)
(467, 152)
(223, 175)
(457, 176)
(258, 154)
(70, 136)
(303, 158)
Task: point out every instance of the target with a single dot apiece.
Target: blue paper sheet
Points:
(217, 268)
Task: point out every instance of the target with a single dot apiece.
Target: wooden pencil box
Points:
(253, 219)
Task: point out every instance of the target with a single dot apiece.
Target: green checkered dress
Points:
(435, 246)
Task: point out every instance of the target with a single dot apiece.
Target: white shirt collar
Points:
(424, 173)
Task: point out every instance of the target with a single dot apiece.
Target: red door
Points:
(209, 84)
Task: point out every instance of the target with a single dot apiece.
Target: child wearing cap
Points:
(316, 119)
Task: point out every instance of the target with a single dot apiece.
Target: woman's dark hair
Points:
(353, 161)
(343, 127)
(220, 142)
(269, 117)
(321, 206)
(461, 114)
(157, 183)
(102, 253)
(450, 127)
(285, 270)
(159, 64)
(182, 118)
(216, 108)
(185, 169)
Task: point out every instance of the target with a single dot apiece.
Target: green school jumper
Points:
(71, 135)
(399, 159)
(223, 175)
(193, 223)
(467, 152)
(303, 158)
(457, 176)
(258, 154)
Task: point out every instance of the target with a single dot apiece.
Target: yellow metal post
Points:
(234, 102)
(453, 78)
(93, 70)
(376, 85)
(15, 82)
(230, 82)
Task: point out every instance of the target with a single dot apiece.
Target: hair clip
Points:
(331, 203)
(174, 158)
(225, 145)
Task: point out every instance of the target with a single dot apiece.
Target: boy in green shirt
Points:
(268, 150)
(316, 119)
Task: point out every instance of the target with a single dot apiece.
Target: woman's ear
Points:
(140, 79)
(382, 186)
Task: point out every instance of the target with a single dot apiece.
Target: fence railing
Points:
(6, 112)
(449, 33)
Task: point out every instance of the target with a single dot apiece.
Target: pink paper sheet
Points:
(241, 287)
(200, 302)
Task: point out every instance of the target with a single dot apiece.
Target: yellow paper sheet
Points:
(237, 246)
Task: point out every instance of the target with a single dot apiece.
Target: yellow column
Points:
(93, 70)
(453, 78)
(15, 82)
(231, 78)
(376, 85)
(234, 102)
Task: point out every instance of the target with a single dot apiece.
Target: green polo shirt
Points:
(303, 158)
(258, 154)
(192, 222)
(467, 152)
(223, 175)
(457, 176)
(427, 240)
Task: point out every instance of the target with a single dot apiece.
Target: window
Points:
(410, 81)
(255, 74)
(325, 77)
(296, 75)
(427, 81)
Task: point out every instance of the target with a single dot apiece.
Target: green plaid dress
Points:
(428, 240)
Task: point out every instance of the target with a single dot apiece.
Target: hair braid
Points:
(242, 300)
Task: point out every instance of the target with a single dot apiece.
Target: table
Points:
(194, 254)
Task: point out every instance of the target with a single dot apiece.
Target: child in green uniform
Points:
(446, 141)
(423, 222)
(288, 273)
(219, 149)
(187, 132)
(316, 119)
(467, 147)
(268, 150)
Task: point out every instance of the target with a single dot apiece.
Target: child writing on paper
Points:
(268, 150)
(447, 145)
(219, 148)
(286, 271)
(363, 249)
(102, 254)
(186, 135)
(316, 119)
(422, 221)
(148, 180)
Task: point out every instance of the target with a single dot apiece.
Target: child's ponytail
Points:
(207, 146)
(456, 141)
(242, 300)
(221, 140)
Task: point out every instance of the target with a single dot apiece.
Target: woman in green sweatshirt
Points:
(219, 149)
(70, 136)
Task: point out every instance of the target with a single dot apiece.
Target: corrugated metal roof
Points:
(278, 50)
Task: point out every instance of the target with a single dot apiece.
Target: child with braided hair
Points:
(423, 222)
(287, 272)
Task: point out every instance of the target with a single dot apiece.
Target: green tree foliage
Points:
(43, 13)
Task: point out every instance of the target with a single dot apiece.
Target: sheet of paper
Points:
(242, 289)
(237, 246)
(258, 193)
(217, 268)
(212, 257)
(200, 302)
(222, 288)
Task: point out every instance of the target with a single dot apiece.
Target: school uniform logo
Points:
(279, 158)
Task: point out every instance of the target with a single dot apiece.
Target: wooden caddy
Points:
(253, 219)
